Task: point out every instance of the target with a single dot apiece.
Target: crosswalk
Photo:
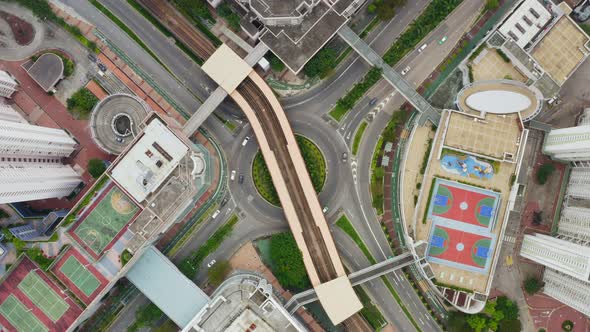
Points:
(509, 238)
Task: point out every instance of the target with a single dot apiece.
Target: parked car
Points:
(245, 141)
(211, 263)
(233, 175)
(325, 209)
(241, 179)
(406, 70)
(422, 48)
(373, 101)
(91, 57)
(102, 67)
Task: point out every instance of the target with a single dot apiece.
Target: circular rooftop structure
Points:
(500, 97)
(115, 121)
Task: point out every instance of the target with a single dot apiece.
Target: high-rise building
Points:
(570, 144)
(31, 161)
(8, 84)
(568, 290)
(567, 257)
(574, 225)
(8, 114)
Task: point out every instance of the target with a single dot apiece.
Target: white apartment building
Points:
(579, 182)
(574, 225)
(570, 144)
(30, 160)
(9, 114)
(8, 84)
(567, 257)
(572, 292)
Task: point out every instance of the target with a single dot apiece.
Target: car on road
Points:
(422, 48)
(91, 57)
(233, 175)
(211, 263)
(245, 141)
(373, 101)
(406, 70)
(215, 214)
(241, 179)
(443, 40)
(325, 209)
(102, 67)
(344, 157)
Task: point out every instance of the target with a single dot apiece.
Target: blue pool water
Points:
(466, 166)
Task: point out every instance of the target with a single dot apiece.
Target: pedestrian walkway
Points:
(395, 79)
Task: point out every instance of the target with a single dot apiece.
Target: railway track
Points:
(180, 27)
(278, 144)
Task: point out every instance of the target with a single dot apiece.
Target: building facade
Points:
(570, 144)
(572, 292)
(31, 161)
(8, 84)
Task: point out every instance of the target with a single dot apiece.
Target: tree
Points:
(532, 285)
(4, 214)
(321, 64)
(477, 322)
(287, 262)
(96, 167)
(567, 325)
(385, 9)
(218, 272)
(275, 63)
(492, 4)
(507, 307)
(82, 101)
(544, 172)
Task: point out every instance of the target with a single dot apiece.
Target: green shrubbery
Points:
(314, 162)
(3, 214)
(82, 102)
(275, 63)
(145, 316)
(232, 19)
(218, 272)
(287, 262)
(567, 325)
(197, 10)
(503, 55)
(96, 167)
(358, 136)
(498, 315)
(321, 63)
(359, 89)
(385, 9)
(544, 172)
(532, 285)
(126, 256)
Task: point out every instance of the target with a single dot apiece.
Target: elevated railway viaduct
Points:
(284, 160)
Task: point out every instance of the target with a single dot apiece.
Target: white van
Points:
(215, 214)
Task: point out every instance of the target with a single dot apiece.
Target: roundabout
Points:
(315, 163)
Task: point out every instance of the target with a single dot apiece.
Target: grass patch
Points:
(347, 227)
(148, 16)
(126, 256)
(189, 265)
(126, 29)
(358, 137)
(377, 174)
(314, 161)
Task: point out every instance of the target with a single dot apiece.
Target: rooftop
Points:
(149, 161)
(47, 70)
(496, 135)
(280, 8)
(526, 22)
(296, 44)
(244, 302)
(226, 68)
(562, 49)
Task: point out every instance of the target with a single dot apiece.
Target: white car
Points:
(406, 70)
(215, 214)
(325, 209)
(233, 175)
(211, 263)
(422, 48)
(245, 141)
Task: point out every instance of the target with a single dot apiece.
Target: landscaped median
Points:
(314, 161)
(430, 18)
(358, 136)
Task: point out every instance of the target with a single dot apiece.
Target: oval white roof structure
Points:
(498, 101)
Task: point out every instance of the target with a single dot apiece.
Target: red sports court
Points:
(463, 203)
(453, 245)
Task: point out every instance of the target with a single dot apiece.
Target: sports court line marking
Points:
(43, 296)
(12, 307)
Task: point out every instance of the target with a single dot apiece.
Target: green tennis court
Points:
(40, 293)
(106, 220)
(20, 317)
(79, 275)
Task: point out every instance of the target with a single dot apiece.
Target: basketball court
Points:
(104, 220)
(79, 275)
(463, 203)
(462, 219)
(30, 301)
